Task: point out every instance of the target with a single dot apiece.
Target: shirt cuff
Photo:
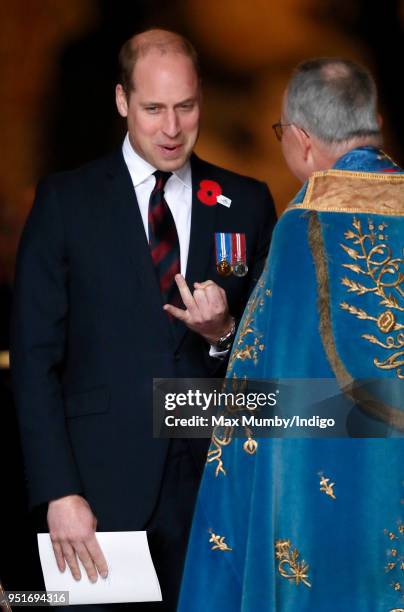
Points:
(213, 352)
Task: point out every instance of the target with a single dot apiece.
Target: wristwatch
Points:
(225, 342)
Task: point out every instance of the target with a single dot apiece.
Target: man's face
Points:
(163, 109)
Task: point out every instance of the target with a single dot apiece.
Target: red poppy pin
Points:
(208, 192)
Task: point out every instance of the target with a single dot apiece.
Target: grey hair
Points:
(334, 99)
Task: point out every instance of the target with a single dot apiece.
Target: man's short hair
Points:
(333, 99)
(164, 41)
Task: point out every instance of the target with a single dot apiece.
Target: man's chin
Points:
(171, 165)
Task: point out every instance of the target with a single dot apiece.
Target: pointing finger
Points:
(184, 291)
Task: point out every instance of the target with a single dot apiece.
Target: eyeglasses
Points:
(278, 129)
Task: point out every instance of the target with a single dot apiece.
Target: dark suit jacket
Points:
(89, 332)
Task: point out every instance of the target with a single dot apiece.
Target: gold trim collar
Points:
(354, 192)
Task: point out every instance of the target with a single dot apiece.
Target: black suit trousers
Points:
(167, 530)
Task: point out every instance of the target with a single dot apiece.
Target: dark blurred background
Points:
(58, 73)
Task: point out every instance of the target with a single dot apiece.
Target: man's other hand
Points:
(72, 527)
(207, 312)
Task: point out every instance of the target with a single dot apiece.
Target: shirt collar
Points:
(140, 169)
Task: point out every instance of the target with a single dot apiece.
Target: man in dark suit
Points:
(100, 256)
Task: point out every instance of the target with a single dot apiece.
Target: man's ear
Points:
(303, 140)
(121, 100)
(379, 120)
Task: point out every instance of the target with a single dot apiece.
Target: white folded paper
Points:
(131, 573)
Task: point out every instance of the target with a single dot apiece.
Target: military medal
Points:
(239, 260)
(224, 268)
(223, 254)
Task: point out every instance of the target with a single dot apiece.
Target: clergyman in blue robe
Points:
(304, 524)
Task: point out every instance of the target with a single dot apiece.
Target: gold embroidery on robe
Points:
(251, 350)
(395, 558)
(250, 445)
(374, 408)
(223, 435)
(327, 487)
(215, 453)
(245, 351)
(289, 567)
(218, 542)
(381, 271)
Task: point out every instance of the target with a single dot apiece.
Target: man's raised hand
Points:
(206, 310)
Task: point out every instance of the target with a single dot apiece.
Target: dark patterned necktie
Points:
(163, 239)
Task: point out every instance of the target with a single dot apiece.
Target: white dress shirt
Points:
(177, 193)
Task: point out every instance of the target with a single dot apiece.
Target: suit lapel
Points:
(201, 243)
(202, 227)
(130, 230)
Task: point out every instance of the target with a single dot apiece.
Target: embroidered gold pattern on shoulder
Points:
(382, 276)
(355, 192)
(289, 567)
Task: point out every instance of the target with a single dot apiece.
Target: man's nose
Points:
(171, 125)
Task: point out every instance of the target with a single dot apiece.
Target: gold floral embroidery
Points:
(218, 542)
(243, 352)
(215, 453)
(395, 563)
(250, 351)
(327, 487)
(375, 262)
(296, 571)
(379, 410)
(223, 435)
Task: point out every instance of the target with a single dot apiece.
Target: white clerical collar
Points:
(140, 169)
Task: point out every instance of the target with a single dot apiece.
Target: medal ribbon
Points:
(223, 247)
(238, 248)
